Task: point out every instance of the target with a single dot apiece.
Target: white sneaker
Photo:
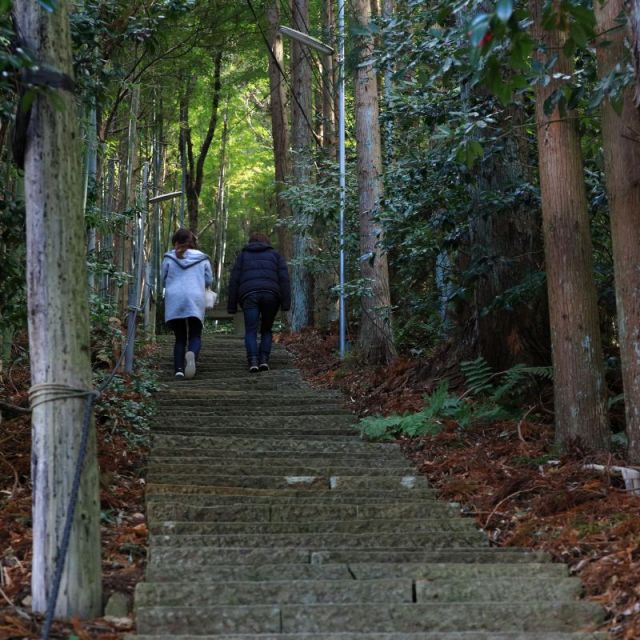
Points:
(190, 366)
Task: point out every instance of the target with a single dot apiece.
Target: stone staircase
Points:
(270, 519)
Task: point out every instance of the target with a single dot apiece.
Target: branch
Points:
(213, 121)
(132, 80)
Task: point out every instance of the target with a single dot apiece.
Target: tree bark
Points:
(279, 124)
(328, 81)
(301, 138)
(509, 242)
(621, 142)
(579, 385)
(375, 337)
(195, 166)
(58, 326)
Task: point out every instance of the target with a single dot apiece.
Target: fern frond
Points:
(478, 375)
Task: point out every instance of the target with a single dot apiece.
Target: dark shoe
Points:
(179, 375)
(253, 365)
(263, 366)
(190, 367)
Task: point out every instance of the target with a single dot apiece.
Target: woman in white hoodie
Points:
(186, 272)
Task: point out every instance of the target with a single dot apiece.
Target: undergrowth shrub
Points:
(489, 397)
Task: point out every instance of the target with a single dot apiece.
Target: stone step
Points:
(310, 513)
(249, 397)
(340, 420)
(409, 527)
(194, 460)
(245, 446)
(189, 400)
(437, 635)
(419, 540)
(380, 483)
(253, 432)
(224, 371)
(451, 589)
(199, 556)
(215, 410)
(375, 617)
(391, 458)
(163, 572)
(324, 502)
(192, 594)
(235, 468)
(205, 494)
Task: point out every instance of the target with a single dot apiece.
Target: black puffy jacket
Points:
(259, 267)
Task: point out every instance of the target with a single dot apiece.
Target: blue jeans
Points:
(185, 329)
(259, 306)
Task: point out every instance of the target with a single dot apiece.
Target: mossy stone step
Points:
(316, 555)
(397, 483)
(419, 540)
(162, 572)
(340, 420)
(252, 432)
(375, 617)
(437, 635)
(234, 468)
(195, 393)
(309, 514)
(245, 446)
(408, 527)
(214, 497)
(269, 400)
(214, 409)
(283, 458)
(205, 495)
(195, 461)
(173, 594)
(385, 590)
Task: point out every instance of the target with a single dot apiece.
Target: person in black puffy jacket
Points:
(260, 284)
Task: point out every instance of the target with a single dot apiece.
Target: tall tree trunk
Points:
(376, 337)
(279, 124)
(388, 11)
(621, 142)
(328, 81)
(579, 385)
(130, 197)
(508, 240)
(301, 137)
(194, 175)
(58, 327)
(325, 304)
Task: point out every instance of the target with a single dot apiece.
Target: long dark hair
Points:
(182, 240)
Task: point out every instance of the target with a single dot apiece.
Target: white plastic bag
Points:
(210, 298)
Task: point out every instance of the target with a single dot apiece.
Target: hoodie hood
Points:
(257, 246)
(191, 258)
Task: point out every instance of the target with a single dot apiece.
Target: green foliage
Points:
(489, 397)
(126, 406)
(13, 294)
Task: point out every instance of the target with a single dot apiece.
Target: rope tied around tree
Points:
(52, 391)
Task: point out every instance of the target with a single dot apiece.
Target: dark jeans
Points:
(259, 306)
(185, 329)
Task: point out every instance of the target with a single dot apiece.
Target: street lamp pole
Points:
(326, 49)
